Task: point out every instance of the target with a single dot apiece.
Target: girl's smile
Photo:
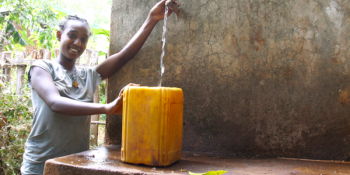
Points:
(73, 39)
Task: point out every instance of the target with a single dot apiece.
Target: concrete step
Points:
(106, 160)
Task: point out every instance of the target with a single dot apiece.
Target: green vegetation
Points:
(16, 113)
(24, 22)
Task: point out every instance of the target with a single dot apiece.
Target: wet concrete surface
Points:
(106, 160)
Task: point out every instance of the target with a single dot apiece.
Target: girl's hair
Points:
(62, 25)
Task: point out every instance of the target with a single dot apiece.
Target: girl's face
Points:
(73, 38)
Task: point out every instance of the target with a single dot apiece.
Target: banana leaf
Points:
(60, 11)
(17, 38)
(95, 29)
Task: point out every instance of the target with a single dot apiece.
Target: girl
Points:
(62, 94)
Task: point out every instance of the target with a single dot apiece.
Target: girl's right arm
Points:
(43, 84)
(116, 61)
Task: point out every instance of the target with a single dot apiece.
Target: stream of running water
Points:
(163, 40)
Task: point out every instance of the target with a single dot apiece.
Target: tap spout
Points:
(173, 6)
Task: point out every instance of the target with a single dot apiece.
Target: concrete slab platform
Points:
(106, 160)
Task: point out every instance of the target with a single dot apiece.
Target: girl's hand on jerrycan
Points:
(158, 11)
(116, 107)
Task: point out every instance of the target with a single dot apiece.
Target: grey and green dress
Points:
(53, 134)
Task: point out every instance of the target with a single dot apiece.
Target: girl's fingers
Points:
(136, 84)
(130, 84)
(175, 3)
(133, 84)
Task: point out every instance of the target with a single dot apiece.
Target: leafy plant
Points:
(16, 117)
(31, 18)
(9, 34)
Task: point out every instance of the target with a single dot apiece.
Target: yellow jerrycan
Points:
(152, 125)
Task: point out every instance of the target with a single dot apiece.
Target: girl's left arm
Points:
(116, 61)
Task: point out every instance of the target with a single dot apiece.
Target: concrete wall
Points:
(260, 77)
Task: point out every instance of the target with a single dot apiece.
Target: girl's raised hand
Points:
(158, 11)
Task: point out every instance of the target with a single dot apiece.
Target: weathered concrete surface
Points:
(260, 77)
(106, 160)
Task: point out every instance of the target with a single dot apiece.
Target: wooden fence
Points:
(19, 62)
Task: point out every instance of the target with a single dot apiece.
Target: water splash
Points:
(163, 51)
